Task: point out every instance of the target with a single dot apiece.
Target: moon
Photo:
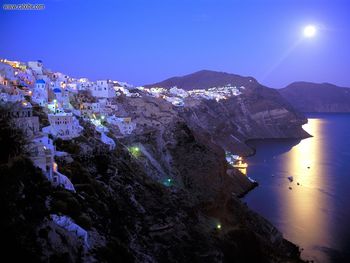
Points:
(309, 31)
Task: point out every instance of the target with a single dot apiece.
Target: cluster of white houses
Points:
(177, 96)
(24, 84)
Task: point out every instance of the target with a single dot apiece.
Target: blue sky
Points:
(141, 41)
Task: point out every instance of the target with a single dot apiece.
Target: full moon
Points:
(310, 31)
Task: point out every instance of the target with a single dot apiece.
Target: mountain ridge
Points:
(203, 79)
(317, 97)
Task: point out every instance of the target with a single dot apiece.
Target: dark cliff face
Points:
(143, 219)
(131, 215)
(259, 112)
(313, 97)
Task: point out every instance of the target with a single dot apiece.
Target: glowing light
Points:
(168, 182)
(218, 226)
(309, 31)
(135, 151)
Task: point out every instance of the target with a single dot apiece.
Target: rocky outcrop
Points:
(256, 114)
(259, 112)
(314, 97)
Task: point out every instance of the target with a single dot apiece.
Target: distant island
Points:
(314, 97)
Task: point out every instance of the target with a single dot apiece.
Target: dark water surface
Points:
(316, 213)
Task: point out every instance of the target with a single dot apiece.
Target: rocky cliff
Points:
(314, 97)
(130, 208)
(259, 112)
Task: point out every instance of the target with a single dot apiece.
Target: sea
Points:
(304, 187)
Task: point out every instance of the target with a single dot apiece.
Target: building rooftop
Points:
(41, 81)
(57, 90)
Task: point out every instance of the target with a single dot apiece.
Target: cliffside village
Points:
(68, 102)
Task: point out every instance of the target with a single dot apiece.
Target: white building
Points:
(125, 125)
(103, 89)
(63, 125)
(36, 67)
(62, 97)
(42, 152)
(106, 106)
(72, 87)
(178, 92)
(175, 101)
(109, 141)
(68, 224)
(87, 109)
(40, 92)
(61, 180)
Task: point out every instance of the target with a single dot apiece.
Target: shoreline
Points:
(243, 194)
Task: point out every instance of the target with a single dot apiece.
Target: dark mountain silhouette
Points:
(205, 79)
(314, 97)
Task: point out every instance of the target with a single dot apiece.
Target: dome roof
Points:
(40, 81)
(57, 90)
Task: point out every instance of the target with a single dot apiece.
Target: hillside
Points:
(314, 97)
(258, 112)
(204, 79)
(162, 192)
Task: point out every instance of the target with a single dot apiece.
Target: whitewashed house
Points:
(106, 106)
(103, 89)
(125, 125)
(59, 77)
(178, 92)
(36, 67)
(42, 152)
(175, 101)
(68, 224)
(40, 92)
(72, 87)
(61, 180)
(62, 97)
(63, 125)
(109, 141)
(87, 109)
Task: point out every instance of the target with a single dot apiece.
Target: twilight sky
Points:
(145, 41)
